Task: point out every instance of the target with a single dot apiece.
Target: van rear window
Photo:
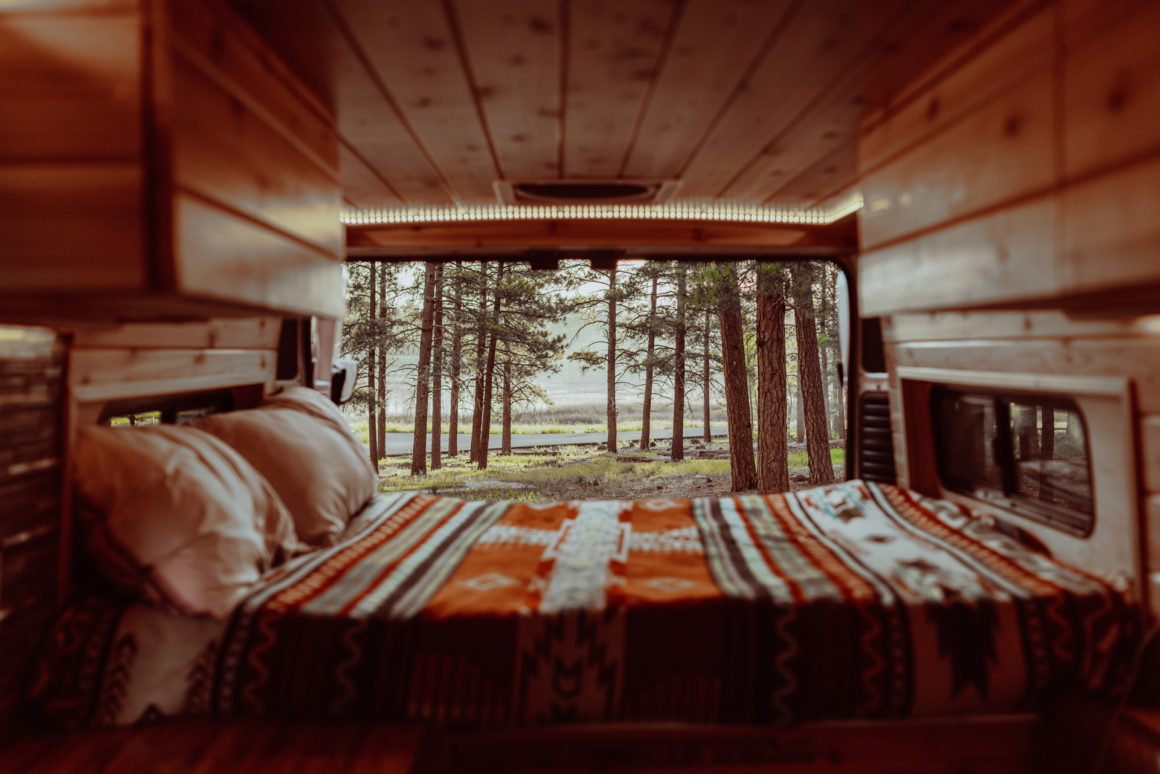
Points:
(1027, 453)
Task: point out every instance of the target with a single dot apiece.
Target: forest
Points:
(467, 346)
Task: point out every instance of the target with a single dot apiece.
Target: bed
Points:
(853, 600)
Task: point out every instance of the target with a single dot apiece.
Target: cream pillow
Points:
(304, 447)
(175, 515)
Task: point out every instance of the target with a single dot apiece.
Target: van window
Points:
(1028, 453)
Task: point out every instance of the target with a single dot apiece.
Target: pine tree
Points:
(456, 367)
(810, 376)
(437, 372)
(772, 421)
(489, 369)
(423, 374)
(742, 468)
(677, 448)
(480, 349)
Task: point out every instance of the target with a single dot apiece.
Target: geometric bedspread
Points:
(853, 600)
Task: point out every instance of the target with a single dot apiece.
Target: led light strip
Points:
(718, 213)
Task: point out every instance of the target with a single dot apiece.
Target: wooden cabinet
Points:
(157, 161)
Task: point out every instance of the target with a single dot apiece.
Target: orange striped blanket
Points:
(851, 600)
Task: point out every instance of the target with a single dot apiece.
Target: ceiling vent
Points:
(585, 191)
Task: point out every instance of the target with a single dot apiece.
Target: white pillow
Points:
(176, 516)
(305, 448)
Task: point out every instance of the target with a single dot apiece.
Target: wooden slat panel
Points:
(713, 47)
(831, 173)
(413, 49)
(313, 42)
(1006, 255)
(1111, 232)
(71, 226)
(951, 326)
(1025, 49)
(613, 53)
(515, 57)
(107, 374)
(819, 42)
(911, 42)
(239, 261)
(996, 154)
(1112, 94)
(208, 35)
(1132, 359)
(249, 333)
(223, 151)
(362, 185)
(70, 87)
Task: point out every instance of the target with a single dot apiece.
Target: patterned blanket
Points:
(854, 600)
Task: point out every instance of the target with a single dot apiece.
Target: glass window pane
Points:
(967, 429)
(1051, 458)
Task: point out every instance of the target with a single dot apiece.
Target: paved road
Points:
(401, 443)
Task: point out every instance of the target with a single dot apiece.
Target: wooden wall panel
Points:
(70, 86)
(1073, 131)
(72, 226)
(238, 260)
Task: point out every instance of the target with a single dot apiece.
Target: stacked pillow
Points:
(190, 517)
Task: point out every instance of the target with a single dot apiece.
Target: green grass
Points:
(563, 468)
(359, 424)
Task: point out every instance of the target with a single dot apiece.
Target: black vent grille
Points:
(876, 445)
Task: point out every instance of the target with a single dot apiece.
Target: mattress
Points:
(854, 600)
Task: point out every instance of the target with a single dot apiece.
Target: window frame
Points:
(1055, 516)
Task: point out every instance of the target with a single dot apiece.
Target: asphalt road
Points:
(401, 443)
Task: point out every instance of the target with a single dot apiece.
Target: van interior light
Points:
(717, 212)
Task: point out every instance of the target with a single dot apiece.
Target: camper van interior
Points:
(927, 228)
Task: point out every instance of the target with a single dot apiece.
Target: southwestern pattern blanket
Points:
(854, 600)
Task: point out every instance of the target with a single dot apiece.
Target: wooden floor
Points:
(995, 745)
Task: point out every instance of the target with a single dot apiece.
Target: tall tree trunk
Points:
(799, 432)
(648, 368)
(611, 373)
(677, 449)
(506, 437)
(480, 348)
(437, 373)
(743, 471)
(372, 427)
(423, 375)
(810, 378)
(489, 372)
(382, 427)
(823, 360)
(1047, 439)
(706, 392)
(772, 416)
(456, 365)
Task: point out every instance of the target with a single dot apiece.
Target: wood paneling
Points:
(614, 53)
(997, 153)
(713, 48)
(1039, 183)
(837, 238)
(69, 87)
(114, 112)
(248, 333)
(238, 260)
(1004, 255)
(100, 374)
(515, 54)
(71, 226)
(412, 48)
(738, 99)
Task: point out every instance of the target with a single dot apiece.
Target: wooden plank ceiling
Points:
(753, 101)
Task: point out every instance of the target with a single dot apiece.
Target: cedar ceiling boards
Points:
(754, 102)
